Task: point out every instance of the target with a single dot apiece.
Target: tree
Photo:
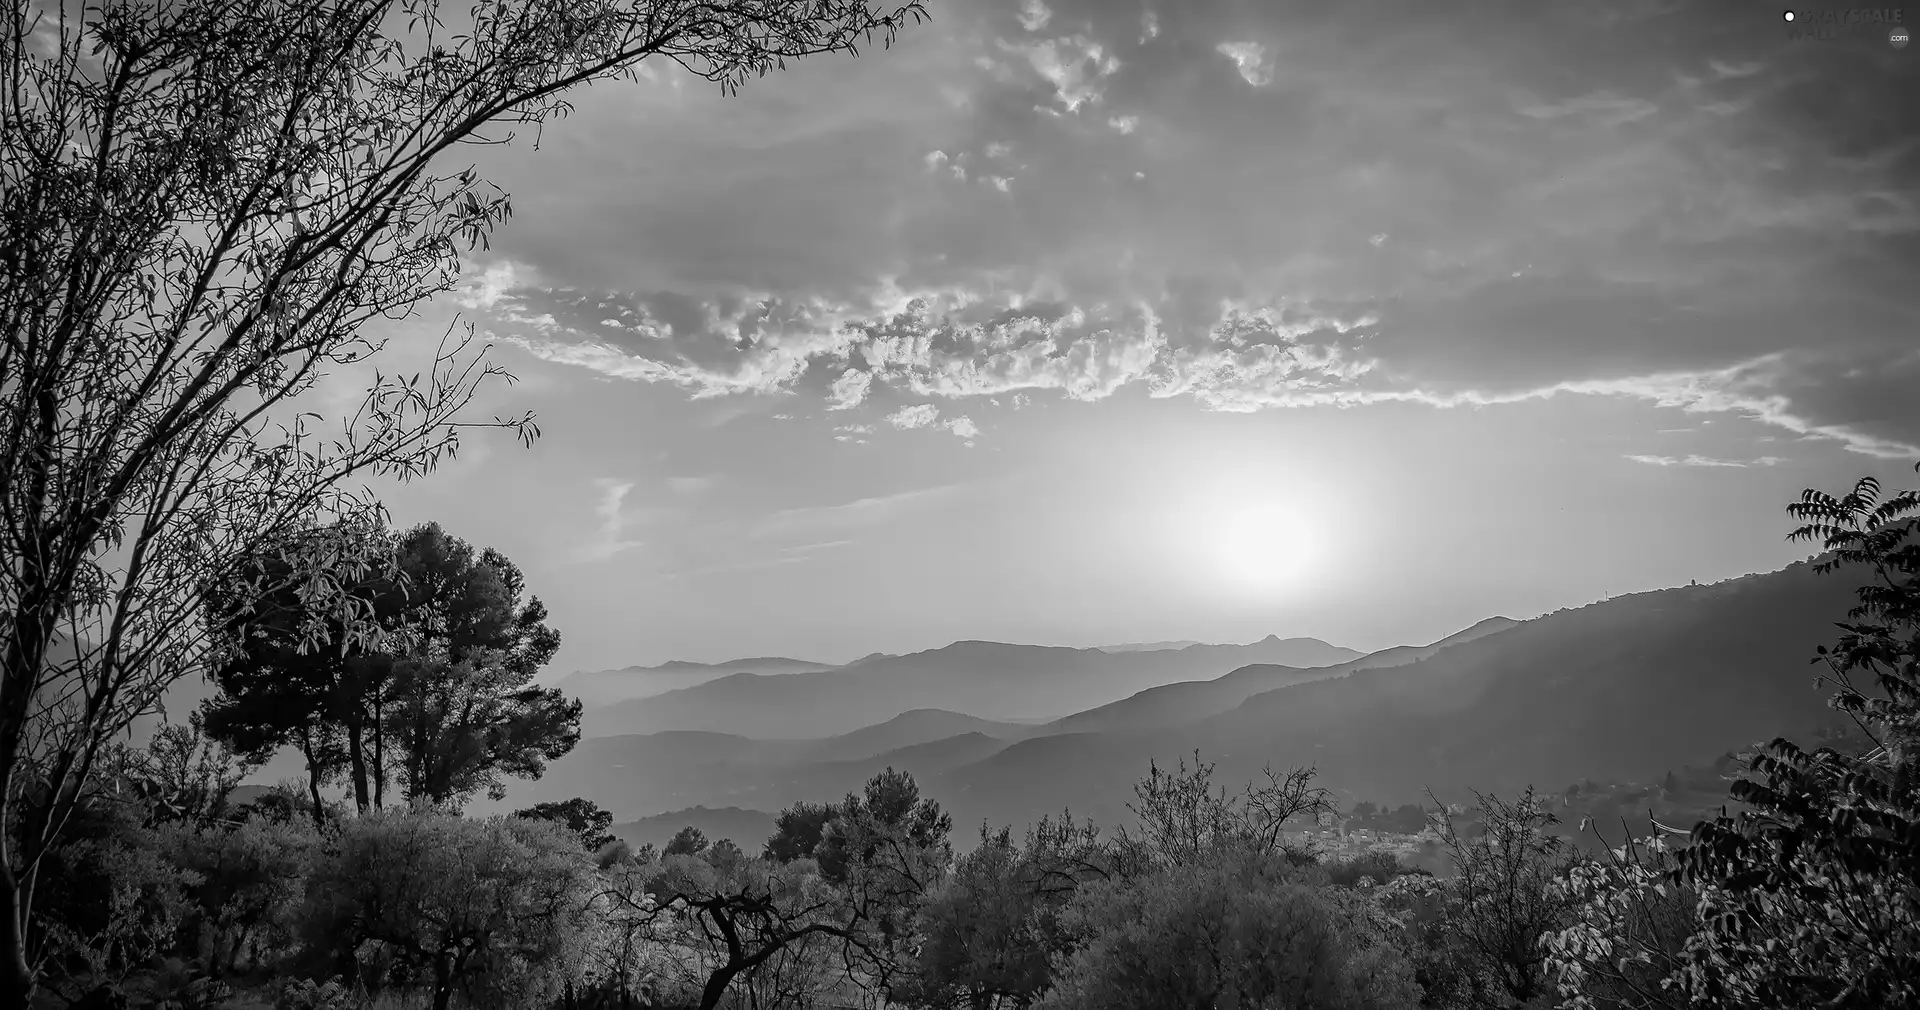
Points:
(1503, 899)
(981, 932)
(202, 207)
(461, 707)
(438, 685)
(1182, 816)
(1812, 894)
(582, 817)
(742, 916)
(688, 841)
(274, 690)
(502, 905)
(1238, 929)
(797, 831)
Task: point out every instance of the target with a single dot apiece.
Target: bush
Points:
(1240, 929)
(499, 910)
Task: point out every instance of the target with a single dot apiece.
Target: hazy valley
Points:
(1622, 690)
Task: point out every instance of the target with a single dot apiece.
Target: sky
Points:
(1090, 321)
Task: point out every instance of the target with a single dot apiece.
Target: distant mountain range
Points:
(991, 680)
(604, 687)
(1618, 691)
(748, 829)
(1147, 646)
(1186, 702)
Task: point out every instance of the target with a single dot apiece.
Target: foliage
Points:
(248, 883)
(439, 688)
(1182, 816)
(982, 937)
(1630, 924)
(1503, 899)
(797, 831)
(581, 816)
(688, 841)
(202, 209)
(497, 909)
(464, 711)
(1239, 929)
(1812, 896)
(887, 852)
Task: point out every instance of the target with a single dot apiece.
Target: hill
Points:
(1616, 691)
(605, 687)
(989, 680)
(1147, 646)
(749, 829)
(919, 726)
(1178, 704)
(632, 774)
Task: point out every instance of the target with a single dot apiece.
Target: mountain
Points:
(748, 829)
(919, 726)
(657, 771)
(1177, 704)
(989, 680)
(1615, 691)
(604, 687)
(1146, 646)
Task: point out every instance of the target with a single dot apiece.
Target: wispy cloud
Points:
(846, 517)
(1698, 460)
(608, 540)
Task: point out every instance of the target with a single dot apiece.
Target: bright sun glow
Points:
(1262, 547)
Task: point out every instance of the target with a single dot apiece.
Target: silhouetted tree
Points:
(461, 708)
(688, 841)
(276, 690)
(797, 831)
(202, 206)
(580, 816)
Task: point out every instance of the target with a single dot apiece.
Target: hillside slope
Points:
(1615, 691)
(1170, 705)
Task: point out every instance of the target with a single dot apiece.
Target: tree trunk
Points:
(26, 654)
(379, 747)
(357, 760)
(716, 987)
(442, 982)
(313, 776)
(16, 975)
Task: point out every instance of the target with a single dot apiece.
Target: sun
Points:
(1262, 546)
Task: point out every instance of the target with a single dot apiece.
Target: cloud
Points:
(846, 517)
(962, 426)
(483, 289)
(689, 486)
(849, 389)
(608, 540)
(1034, 15)
(1250, 58)
(917, 416)
(1646, 215)
(1075, 66)
(1708, 461)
